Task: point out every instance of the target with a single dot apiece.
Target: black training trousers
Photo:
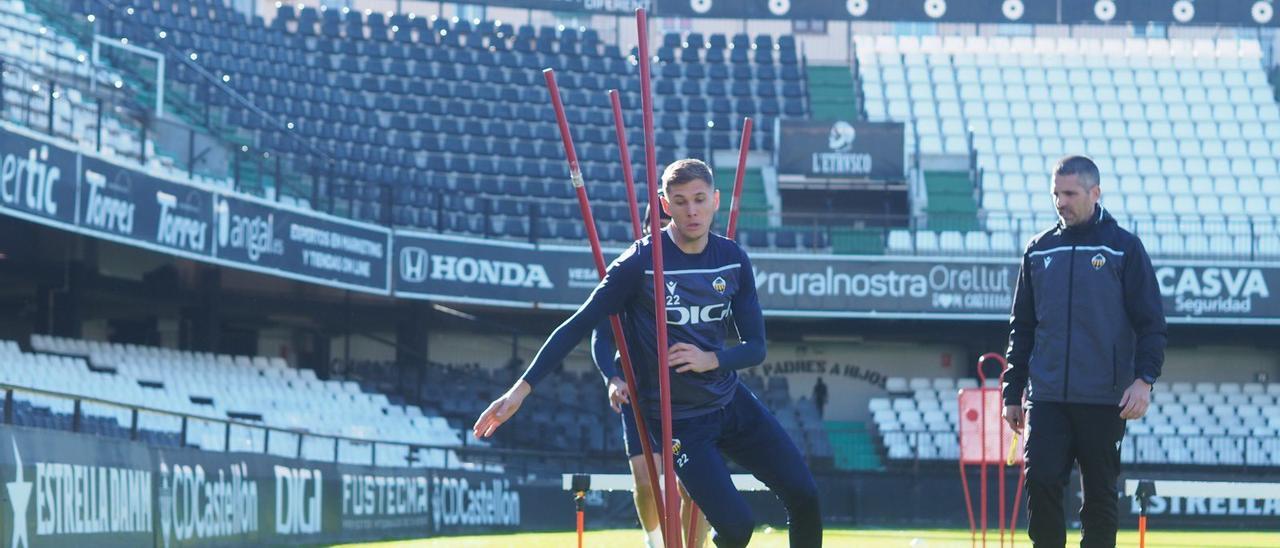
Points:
(1058, 435)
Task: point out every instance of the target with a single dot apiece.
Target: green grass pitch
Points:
(861, 538)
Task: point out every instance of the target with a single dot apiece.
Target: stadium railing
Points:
(249, 437)
(1243, 454)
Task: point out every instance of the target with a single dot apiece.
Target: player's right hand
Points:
(618, 394)
(501, 410)
(1015, 416)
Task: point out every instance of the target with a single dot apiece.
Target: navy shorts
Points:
(630, 434)
(746, 433)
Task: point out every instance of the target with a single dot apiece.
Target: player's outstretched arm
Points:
(501, 410)
(554, 351)
(607, 299)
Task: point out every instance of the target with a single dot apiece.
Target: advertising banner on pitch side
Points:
(118, 202)
(45, 181)
(65, 489)
(483, 272)
(475, 271)
(383, 502)
(207, 499)
(294, 244)
(37, 180)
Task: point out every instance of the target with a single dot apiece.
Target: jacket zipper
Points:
(1066, 367)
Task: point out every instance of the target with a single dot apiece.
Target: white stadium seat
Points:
(232, 383)
(1164, 108)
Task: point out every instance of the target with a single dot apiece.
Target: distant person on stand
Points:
(820, 396)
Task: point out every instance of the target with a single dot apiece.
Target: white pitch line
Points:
(624, 482)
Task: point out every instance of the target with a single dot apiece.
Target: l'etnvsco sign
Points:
(842, 150)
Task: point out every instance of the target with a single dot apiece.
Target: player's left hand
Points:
(1136, 399)
(686, 357)
(619, 395)
(501, 410)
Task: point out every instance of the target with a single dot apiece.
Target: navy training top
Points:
(701, 291)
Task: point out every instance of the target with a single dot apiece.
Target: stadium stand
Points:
(1204, 423)
(35, 56)
(51, 85)
(56, 373)
(415, 114)
(576, 415)
(256, 390)
(923, 427)
(1186, 133)
(799, 417)
(579, 415)
(704, 86)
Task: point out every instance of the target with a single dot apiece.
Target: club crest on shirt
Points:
(675, 445)
(719, 284)
(1098, 261)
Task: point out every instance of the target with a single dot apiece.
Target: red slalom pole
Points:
(689, 535)
(968, 506)
(731, 233)
(1022, 469)
(982, 470)
(735, 206)
(1017, 498)
(642, 427)
(1000, 517)
(624, 155)
(672, 531)
(584, 204)
(578, 500)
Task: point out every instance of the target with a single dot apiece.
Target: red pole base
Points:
(692, 534)
(580, 528)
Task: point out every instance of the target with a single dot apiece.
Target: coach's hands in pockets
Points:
(500, 410)
(686, 357)
(618, 394)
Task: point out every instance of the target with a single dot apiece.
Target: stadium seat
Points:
(275, 398)
(379, 79)
(1156, 121)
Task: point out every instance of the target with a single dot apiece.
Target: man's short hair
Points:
(1082, 167)
(683, 171)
